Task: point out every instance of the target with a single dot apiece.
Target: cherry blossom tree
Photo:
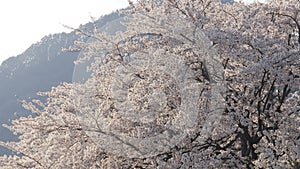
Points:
(189, 84)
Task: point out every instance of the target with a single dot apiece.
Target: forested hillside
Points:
(42, 66)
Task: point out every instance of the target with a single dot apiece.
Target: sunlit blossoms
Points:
(189, 84)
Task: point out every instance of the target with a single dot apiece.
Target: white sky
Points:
(24, 22)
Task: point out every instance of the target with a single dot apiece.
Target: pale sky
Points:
(24, 22)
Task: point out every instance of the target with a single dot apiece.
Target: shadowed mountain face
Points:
(40, 67)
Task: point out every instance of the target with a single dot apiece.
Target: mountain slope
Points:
(40, 67)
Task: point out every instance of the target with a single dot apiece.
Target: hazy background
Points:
(26, 22)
